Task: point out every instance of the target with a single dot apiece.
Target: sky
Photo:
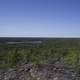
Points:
(39, 18)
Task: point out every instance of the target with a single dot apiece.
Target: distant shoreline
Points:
(25, 42)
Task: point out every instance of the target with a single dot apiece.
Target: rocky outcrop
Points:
(55, 71)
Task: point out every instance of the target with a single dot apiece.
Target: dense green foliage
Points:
(12, 55)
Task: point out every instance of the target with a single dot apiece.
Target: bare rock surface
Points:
(56, 71)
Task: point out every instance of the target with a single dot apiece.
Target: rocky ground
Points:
(48, 71)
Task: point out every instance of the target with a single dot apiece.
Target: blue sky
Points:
(39, 18)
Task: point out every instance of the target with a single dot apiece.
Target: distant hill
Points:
(24, 39)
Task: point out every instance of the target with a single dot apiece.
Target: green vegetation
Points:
(12, 55)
